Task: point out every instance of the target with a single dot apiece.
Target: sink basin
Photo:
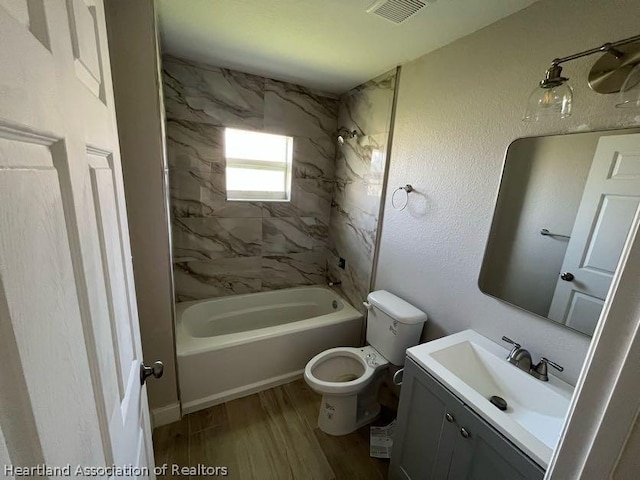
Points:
(474, 368)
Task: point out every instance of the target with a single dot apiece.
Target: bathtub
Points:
(234, 346)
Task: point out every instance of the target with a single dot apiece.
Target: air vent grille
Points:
(396, 11)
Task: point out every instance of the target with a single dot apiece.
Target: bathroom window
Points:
(258, 165)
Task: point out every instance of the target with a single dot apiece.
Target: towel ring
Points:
(407, 189)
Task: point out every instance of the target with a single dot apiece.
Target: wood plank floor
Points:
(269, 435)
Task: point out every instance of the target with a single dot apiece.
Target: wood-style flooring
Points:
(268, 435)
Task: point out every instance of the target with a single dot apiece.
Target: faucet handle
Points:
(508, 340)
(544, 360)
(540, 370)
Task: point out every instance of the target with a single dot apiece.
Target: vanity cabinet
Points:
(438, 437)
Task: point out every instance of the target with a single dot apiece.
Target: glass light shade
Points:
(630, 91)
(549, 102)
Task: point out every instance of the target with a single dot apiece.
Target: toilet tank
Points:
(393, 325)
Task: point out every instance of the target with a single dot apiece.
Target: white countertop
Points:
(474, 368)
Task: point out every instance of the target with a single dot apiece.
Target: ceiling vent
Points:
(396, 11)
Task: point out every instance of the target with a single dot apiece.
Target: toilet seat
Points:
(343, 370)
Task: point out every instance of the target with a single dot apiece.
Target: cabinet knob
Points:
(449, 418)
(464, 432)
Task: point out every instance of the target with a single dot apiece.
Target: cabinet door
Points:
(424, 439)
(486, 454)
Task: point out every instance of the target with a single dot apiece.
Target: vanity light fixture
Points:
(630, 92)
(618, 70)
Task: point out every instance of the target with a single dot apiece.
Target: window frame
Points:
(285, 166)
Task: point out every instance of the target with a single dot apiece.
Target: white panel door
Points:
(608, 206)
(70, 351)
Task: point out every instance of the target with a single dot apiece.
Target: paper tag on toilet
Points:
(381, 441)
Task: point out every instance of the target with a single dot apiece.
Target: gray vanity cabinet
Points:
(438, 437)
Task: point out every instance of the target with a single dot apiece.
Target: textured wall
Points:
(223, 248)
(360, 168)
(458, 110)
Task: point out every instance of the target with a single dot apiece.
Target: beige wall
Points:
(458, 110)
(134, 63)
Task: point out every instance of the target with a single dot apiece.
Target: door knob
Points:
(157, 369)
(567, 276)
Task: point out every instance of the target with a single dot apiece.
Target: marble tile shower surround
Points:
(359, 175)
(223, 248)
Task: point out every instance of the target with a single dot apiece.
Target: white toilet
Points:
(348, 378)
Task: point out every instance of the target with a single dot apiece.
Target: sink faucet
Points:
(518, 356)
(521, 358)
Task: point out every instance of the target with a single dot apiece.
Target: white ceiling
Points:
(329, 45)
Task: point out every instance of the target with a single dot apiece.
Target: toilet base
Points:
(344, 414)
(339, 414)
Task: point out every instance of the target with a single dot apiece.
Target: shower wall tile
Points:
(293, 235)
(353, 228)
(313, 197)
(184, 207)
(362, 159)
(309, 198)
(288, 239)
(195, 146)
(355, 279)
(197, 172)
(352, 240)
(359, 176)
(218, 96)
(294, 110)
(357, 198)
(197, 280)
(367, 107)
(194, 192)
(314, 157)
(293, 269)
(210, 238)
(202, 194)
(280, 209)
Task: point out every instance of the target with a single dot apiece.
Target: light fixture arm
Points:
(609, 47)
(613, 72)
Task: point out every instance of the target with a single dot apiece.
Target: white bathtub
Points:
(233, 346)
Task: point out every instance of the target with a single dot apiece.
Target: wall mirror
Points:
(564, 210)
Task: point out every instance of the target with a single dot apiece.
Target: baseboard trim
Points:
(239, 392)
(165, 415)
